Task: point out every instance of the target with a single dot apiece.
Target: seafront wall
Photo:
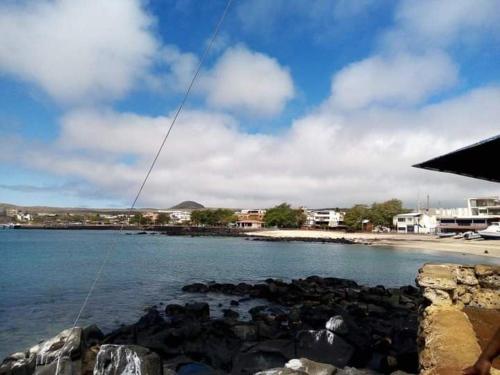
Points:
(449, 340)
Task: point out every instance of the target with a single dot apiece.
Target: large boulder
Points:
(311, 367)
(198, 310)
(336, 324)
(281, 371)
(437, 276)
(22, 363)
(324, 346)
(127, 359)
(66, 344)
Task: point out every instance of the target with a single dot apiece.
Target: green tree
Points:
(382, 213)
(163, 218)
(284, 216)
(218, 217)
(377, 213)
(136, 219)
(354, 216)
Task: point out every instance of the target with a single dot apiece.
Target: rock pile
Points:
(459, 285)
(335, 323)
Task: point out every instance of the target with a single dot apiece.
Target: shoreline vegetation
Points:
(423, 242)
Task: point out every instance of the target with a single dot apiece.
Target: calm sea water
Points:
(45, 275)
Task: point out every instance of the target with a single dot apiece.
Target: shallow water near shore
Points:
(45, 274)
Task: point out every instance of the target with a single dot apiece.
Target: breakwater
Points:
(329, 320)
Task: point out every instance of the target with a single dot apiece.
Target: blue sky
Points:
(319, 103)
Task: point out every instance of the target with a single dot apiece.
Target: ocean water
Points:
(45, 274)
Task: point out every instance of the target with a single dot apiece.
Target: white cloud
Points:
(248, 81)
(325, 158)
(396, 79)
(427, 23)
(77, 50)
(182, 66)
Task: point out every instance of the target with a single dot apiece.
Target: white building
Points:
(415, 222)
(250, 218)
(178, 216)
(489, 206)
(24, 216)
(324, 218)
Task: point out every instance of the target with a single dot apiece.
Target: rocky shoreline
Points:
(336, 322)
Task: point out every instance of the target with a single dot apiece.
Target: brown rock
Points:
(486, 270)
(486, 299)
(450, 343)
(466, 275)
(438, 297)
(438, 276)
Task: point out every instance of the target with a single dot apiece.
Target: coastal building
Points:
(415, 222)
(178, 216)
(23, 216)
(153, 216)
(478, 215)
(250, 219)
(489, 206)
(325, 217)
(11, 212)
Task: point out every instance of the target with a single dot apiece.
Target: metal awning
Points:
(479, 160)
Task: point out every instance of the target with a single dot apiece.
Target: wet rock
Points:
(152, 318)
(355, 371)
(230, 314)
(127, 359)
(284, 347)
(252, 362)
(175, 310)
(311, 367)
(336, 324)
(198, 310)
(195, 288)
(195, 369)
(281, 371)
(62, 366)
(66, 344)
(234, 303)
(324, 346)
(22, 363)
(245, 332)
(92, 335)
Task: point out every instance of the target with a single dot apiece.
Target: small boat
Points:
(459, 236)
(446, 234)
(472, 235)
(492, 232)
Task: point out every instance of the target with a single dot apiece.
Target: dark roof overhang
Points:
(480, 160)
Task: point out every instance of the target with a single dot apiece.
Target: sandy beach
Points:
(410, 241)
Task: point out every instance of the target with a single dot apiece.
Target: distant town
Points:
(389, 216)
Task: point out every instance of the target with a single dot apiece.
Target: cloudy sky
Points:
(318, 103)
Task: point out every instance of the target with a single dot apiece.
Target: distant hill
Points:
(187, 205)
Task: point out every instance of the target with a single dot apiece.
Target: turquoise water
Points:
(45, 275)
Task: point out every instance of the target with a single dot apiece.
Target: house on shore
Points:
(324, 218)
(415, 222)
(250, 219)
